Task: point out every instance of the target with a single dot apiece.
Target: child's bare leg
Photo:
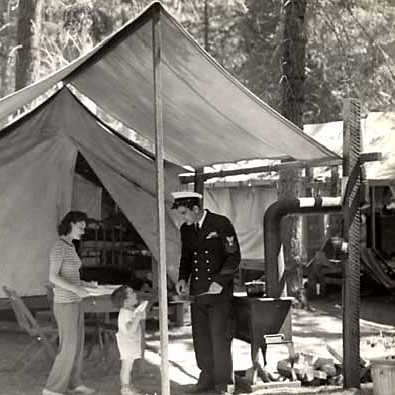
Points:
(126, 370)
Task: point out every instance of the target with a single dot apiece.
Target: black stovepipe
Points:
(275, 278)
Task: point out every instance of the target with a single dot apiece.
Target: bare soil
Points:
(312, 331)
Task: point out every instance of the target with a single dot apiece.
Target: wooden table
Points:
(102, 331)
(99, 304)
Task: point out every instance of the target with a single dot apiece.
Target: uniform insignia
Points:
(230, 244)
(211, 235)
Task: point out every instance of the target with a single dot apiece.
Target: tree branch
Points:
(372, 41)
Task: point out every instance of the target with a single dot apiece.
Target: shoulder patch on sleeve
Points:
(230, 244)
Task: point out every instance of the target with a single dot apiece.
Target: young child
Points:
(129, 332)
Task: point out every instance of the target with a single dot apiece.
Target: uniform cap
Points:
(184, 197)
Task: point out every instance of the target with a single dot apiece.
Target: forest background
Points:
(350, 44)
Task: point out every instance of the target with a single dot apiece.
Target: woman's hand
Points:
(90, 284)
(81, 292)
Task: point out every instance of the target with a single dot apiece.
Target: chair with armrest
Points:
(43, 336)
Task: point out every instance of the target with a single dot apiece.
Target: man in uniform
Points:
(210, 256)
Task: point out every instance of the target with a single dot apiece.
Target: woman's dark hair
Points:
(72, 217)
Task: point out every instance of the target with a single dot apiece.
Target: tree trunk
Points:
(28, 37)
(206, 26)
(292, 92)
(7, 41)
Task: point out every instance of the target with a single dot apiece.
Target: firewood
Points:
(339, 356)
(320, 375)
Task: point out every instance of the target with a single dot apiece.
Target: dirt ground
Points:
(312, 331)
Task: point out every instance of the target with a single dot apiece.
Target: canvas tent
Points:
(377, 130)
(245, 204)
(154, 78)
(208, 117)
(37, 165)
(204, 108)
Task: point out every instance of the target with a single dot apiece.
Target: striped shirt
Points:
(65, 261)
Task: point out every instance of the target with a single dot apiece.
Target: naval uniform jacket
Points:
(211, 254)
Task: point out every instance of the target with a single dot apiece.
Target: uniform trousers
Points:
(212, 332)
(67, 368)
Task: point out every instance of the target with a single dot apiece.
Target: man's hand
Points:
(181, 287)
(214, 288)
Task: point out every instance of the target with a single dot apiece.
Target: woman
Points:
(65, 376)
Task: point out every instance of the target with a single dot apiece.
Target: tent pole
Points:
(351, 287)
(199, 181)
(159, 155)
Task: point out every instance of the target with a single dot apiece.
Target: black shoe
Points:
(200, 389)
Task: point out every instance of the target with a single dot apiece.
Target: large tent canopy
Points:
(208, 116)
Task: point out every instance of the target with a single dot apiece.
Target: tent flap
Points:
(37, 172)
(35, 193)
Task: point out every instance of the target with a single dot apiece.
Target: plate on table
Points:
(99, 291)
(112, 286)
(141, 307)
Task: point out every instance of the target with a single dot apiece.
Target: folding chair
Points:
(44, 336)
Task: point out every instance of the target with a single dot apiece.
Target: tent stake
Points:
(159, 151)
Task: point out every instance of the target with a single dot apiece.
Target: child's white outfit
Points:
(129, 340)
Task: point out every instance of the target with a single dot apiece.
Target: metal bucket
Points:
(255, 288)
(383, 375)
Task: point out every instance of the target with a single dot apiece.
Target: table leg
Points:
(178, 314)
(101, 345)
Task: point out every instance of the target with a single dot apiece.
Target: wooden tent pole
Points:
(160, 178)
(199, 182)
(351, 288)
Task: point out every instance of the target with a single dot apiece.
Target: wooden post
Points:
(95, 249)
(334, 189)
(112, 244)
(104, 245)
(351, 288)
(160, 179)
(199, 182)
(372, 226)
(120, 261)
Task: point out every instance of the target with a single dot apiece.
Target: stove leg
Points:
(252, 373)
(292, 359)
(263, 350)
(257, 370)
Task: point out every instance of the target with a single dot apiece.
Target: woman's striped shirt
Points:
(65, 261)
